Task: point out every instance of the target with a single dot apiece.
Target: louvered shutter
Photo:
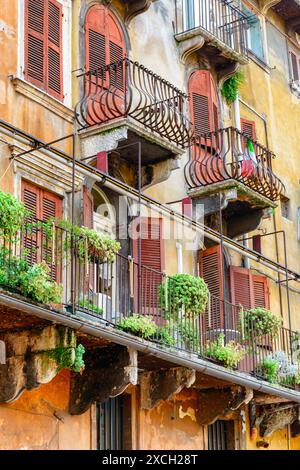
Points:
(200, 101)
(35, 28)
(88, 208)
(95, 38)
(152, 261)
(261, 292)
(210, 269)
(248, 128)
(54, 51)
(241, 284)
(294, 66)
(30, 198)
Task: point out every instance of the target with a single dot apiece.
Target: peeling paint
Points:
(190, 413)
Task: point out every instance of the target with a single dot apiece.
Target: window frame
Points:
(66, 55)
(295, 84)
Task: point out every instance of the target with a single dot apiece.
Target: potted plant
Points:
(229, 355)
(258, 322)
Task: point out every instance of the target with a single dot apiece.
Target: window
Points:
(221, 435)
(42, 205)
(43, 45)
(285, 207)
(295, 71)
(255, 36)
(248, 289)
(248, 128)
(110, 424)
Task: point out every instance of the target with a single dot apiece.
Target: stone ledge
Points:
(42, 98)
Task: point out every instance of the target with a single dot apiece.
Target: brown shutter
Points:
(88, 208)
(152, 256)
(248, 128)
(55, 48)
(294, 65)
(210, 269)
(30, 198)
(261, 291)
(241, 284)
(35, 28)
(204, 109)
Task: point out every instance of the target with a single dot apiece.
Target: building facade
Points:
(168, 130)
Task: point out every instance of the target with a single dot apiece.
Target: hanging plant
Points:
(12, 215)
(185, 292)
(259, 322)
(231, 86)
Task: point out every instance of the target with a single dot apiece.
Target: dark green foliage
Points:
(231, 86)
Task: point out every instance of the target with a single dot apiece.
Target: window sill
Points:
(39, 96)
(259, 62)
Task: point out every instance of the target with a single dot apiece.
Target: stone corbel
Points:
(108, 372)
(265, 5)
(292, 25)
(136, 7)
(216, 404)
(188, 46)
(34, 357)
(227, 72)
(277, 417)
(162, 385)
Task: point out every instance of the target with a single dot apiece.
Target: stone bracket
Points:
(136, 7)
(163, 384)
(108, 372)
(34, 357)
(272, 418)
(215, 404)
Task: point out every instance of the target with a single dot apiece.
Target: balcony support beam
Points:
(162, 385)
(270, 419)
(108, 373)
(265, 5)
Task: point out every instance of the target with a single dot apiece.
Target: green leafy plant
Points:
(12, 268)
(231, 87)
(88, 305)
(79, 365)
(139, 325)
(269, 369)
(36, 283)
(229, 354)
(90, 243)
(185, 292)
(12, 215)
(163, 335)
(259, 322)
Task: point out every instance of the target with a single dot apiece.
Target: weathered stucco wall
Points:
(172, 425)
(39, 420)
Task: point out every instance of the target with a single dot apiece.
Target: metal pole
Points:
(73, 267)
(140, 226)
(222, 269)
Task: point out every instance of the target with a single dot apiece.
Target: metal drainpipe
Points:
(237, 120)
(264, 119)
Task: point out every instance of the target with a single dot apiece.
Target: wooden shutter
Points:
(35, 28)
(248, 128)
(204, 109)
(43, 45)
(210, 269)
(152, 256)
(88, 208)
(54, 51)
(261, 292)
(43, 205)
(95, 37)
(241, 284)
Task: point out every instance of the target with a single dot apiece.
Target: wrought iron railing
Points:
(219, 18)
(229, 154)
(128, 89)
(109, 292)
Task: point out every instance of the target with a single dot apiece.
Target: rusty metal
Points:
(225, 155)
(219, 18)
(127, 89)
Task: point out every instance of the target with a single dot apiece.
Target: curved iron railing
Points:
(227, 154)
(128, 89)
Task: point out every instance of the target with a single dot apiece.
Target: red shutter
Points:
(43, 45)
(248, 128)
(54, 51)
(152, 256)
(95, 37)
(241, 284)
(88, 208)
(261, 292)
(210, 269)
(35, 29)
(294, 65)
(203, 102)
(256, 240)
(43, 205)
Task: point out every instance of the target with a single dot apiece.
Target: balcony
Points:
(216, 26)
(289, 11)
(126, 95)
(227, 159)
(105, 293)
